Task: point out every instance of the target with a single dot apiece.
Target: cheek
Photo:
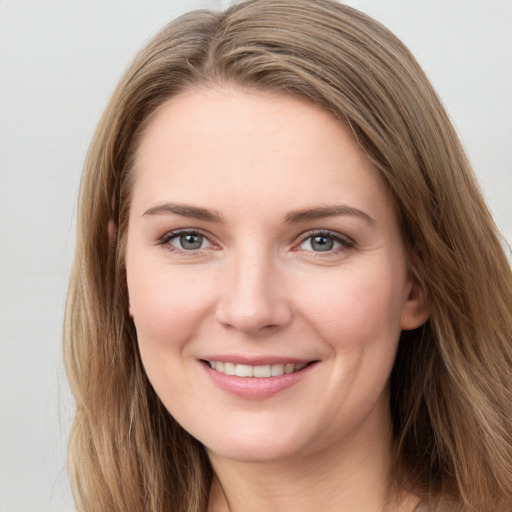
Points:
(167, 306)
(168, 312)
(356, 308)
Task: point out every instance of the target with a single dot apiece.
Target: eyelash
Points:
(171, 235)
(344, 241)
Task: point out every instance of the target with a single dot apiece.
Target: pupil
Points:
(191, 242)
(322, 243)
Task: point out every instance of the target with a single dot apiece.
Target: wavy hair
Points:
(451, 386)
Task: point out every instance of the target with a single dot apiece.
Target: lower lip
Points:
(255, 388)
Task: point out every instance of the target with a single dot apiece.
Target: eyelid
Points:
(345, 241)
(170, 235)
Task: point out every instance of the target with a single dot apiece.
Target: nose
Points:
(253, 298)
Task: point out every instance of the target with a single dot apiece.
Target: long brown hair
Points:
(452, 382)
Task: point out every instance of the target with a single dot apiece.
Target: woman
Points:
(288, 292)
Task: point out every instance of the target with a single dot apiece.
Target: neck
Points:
(347, 477)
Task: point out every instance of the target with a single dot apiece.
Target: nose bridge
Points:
(253, 297)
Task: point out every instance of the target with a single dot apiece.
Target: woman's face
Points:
(262, 243)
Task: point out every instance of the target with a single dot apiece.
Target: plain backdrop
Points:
(59, 62)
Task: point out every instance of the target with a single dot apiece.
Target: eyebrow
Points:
(184, 210)
(293, 217)
(309, 214)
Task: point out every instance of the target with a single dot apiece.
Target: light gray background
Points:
(59, 61)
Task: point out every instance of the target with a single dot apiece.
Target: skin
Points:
(258, 287)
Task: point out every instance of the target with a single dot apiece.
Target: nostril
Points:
(251, 323)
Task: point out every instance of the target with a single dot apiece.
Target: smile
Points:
(263, 371)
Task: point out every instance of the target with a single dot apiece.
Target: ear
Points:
(112, 235)
(130, 307)
(416, 308)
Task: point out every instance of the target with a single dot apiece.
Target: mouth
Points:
(259, 372)
(263, 379)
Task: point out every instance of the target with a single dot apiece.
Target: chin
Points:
(253, 453)
(263, 445)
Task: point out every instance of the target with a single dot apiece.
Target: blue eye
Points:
(188, 241)
(324, 242)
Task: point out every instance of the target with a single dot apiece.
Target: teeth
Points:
(262, 371)
(277, 370)
(229, 368)
(245, 370)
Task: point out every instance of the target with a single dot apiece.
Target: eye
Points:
(186, 241)
(325, 242)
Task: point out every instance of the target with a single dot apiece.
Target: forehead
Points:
(213, 144)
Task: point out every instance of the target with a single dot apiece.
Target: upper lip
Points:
(255, 360)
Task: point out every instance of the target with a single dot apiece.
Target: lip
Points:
(252, 388)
